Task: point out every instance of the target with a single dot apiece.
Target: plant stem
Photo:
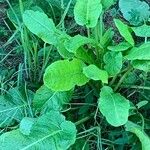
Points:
(115, 77)
(89, 130)
(113, 80)
(122, 79)
(101, 25)
(135, 87)
(84, 119)
(88, 32)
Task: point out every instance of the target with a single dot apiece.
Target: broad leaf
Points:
(137, 130)
(39, 24)
(15, 14)
(141, 65)
(139, 53)
(74, 43)
(13, 106)
(142, 31)
(50, 131)
(63, 75)
(123, 46)
(124, 31)
(46, 99)
(87, 12)
(93, 72)
(113, 106)
(135, 11)
(113, 62)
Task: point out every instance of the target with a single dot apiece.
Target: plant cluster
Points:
(92, 92)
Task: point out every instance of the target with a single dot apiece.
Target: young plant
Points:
(92, 60)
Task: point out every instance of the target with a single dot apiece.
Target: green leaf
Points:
(141, 65)
(124, 31)
(139, 53)
(142, 31)
(137, 130)
(58, 7)
(87, 12)
(130, 79)
(107, 3)
(61, 39)
(93, 72)
(81, 144)
(56, 3)
(141, 104)
(123, 46)
(45, 51)
(13, 106)
(63, 75)
(113, 62)
(15, 14)
(46, 100)
(113, 106)
(39, 24)
(50, 131)
(26, 125)
(85, 56)
(74, 43)
(133, 11)
(107, 38)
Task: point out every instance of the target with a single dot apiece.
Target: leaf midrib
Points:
(114, 106)
(42, 139)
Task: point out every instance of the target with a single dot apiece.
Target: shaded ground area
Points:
(3, 16)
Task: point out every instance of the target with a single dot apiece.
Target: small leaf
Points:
(113, 106)
(50, 131)
(46, 100)
(26, 125)
(139, 53)
(85, 56)
(107, 38)
(113, 62)
(93, 72)
(123, 46)
(130, 79)
(124, 31)
(137, 130)
(74, 43)
(142, 31)
(141, 104)
(61, 46)
(63, 75)
(87, 12)
(39, 24)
